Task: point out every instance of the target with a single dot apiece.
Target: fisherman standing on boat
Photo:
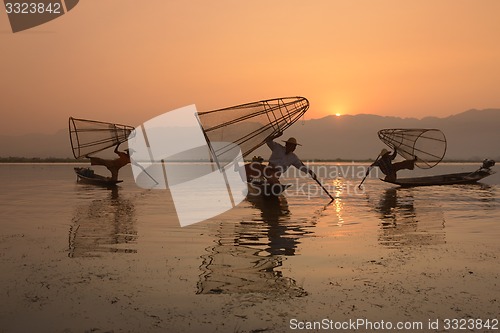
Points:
(112, 165)
(389, 169)
(282, 157)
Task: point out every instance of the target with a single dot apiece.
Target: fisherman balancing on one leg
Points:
(112, 165)
(389, 169)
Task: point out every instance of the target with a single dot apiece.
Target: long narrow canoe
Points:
(448, 179)
(87, 176)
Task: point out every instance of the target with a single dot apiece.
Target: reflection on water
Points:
(486, 194)
(247, 256)
(483, 194)
(277, 233)
(105, 225)
(338, 203)
(402, 224)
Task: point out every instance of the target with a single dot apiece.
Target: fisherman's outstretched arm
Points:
(270, 141)
(305, 169)
(313, 175)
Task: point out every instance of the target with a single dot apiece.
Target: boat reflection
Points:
(103, 225)
(275, 214)
(402, 226)
(248, 256)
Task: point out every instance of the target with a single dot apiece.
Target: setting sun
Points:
(338, 114)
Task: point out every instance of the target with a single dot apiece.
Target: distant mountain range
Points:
(471, 135)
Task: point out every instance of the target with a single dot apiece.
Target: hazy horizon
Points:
(471, 135)
(64, 122)
(119, 61)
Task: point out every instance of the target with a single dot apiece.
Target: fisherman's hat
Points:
(292, 141)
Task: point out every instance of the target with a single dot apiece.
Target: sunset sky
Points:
(127, 61)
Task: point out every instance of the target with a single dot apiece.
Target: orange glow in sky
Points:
(127, 61)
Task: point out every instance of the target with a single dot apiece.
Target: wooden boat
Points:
(448, 179)
(266, 189)
(87, 176)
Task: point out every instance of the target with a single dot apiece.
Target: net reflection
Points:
(248, 256)
(103, 225)
(402, 226)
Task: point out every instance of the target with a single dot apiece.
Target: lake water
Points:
(78, 257)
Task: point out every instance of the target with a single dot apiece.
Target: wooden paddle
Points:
(368, 172)
(144, 170)
(324, 189)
